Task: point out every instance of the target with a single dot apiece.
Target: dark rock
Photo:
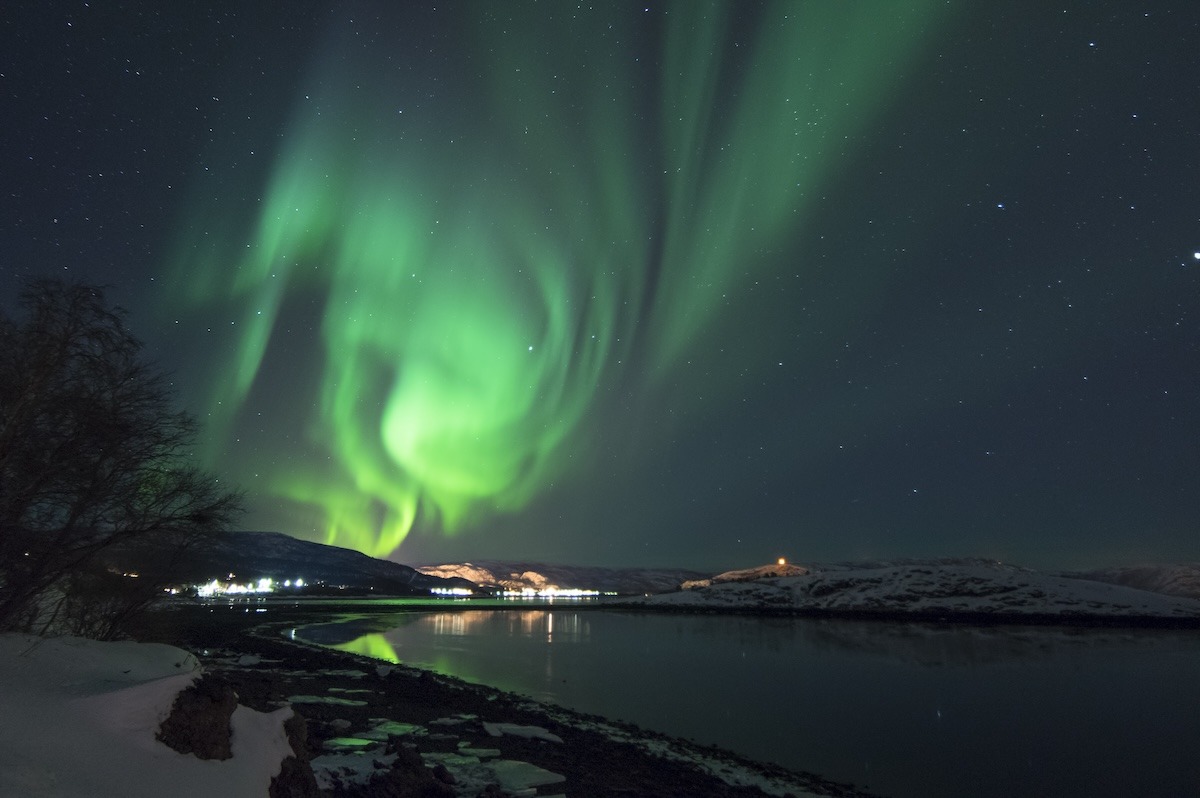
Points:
(443, 775)
(199, 720)
(295, 778)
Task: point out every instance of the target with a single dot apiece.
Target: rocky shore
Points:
(378, 729)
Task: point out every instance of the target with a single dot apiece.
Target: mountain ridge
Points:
(248, 556)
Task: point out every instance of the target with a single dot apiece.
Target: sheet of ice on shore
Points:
(382, 729)
(326, 699)
(349, 743)
(466, 749)
(472, 775)
(81, 716)
(516, 776)
(517, 730)
(350, 762)
(454, 720)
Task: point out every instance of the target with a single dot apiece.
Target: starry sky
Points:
(695, 283)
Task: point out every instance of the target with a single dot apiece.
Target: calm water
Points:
(900, 710)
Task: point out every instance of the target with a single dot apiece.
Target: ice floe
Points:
(326, 699)
(517, 730)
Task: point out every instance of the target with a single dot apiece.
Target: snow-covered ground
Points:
(79, 718)
(937, 588)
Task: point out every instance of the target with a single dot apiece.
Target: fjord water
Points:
(898, 709)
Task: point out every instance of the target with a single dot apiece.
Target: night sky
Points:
(693, 284)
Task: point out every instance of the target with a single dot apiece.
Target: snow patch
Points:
(80, 719)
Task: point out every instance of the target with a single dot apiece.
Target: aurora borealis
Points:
(692, 283)
(478, 286)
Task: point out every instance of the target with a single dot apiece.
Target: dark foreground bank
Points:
(432, 724)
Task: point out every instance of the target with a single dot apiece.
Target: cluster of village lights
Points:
(218, 587)
(266, 585)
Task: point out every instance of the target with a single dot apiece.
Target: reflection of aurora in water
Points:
(534, 624)
(372, 645)
(453, 309)
(534, 627)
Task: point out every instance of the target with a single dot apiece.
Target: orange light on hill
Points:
(783, 561)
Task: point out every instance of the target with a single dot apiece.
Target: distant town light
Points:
(218, 587)
(450, 591)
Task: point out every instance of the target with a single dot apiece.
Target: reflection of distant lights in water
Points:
(448, 624)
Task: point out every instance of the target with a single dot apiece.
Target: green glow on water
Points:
(446, 307)
(371, 645)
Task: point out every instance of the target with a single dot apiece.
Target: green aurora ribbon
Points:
(469, 287)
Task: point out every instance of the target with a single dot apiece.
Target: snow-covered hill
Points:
(538, 576)
(935, 589)
(748, 575)
(1174, 580)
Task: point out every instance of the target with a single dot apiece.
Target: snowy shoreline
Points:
(352, 700)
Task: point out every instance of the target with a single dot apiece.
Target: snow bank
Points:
(79, 718)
